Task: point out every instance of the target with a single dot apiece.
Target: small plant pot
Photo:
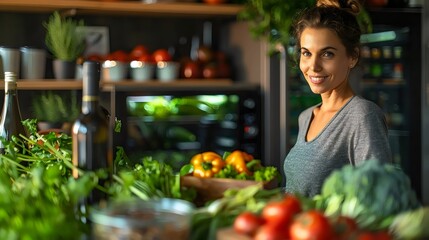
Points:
(142, 71)
(64, 69)
(114, 71)
(167, 71)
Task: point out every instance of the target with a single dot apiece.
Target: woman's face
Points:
(324, 60)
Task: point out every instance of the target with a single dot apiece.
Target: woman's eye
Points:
(305, 53)
(328, 54)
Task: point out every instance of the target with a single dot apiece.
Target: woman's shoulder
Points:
(362, 105)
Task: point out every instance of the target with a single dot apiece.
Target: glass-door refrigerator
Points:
(385, 80)
(390, 75)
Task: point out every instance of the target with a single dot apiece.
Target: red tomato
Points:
(247, 223)
(270, 231)
(191, 69)
(95, 57)
(138, 51)
(210, 71)
(344, 227)
(146, 58)
(118, 55)
(282, 212)
(312, 225)
(161, 55)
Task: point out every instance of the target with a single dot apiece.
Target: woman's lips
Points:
(317, 79)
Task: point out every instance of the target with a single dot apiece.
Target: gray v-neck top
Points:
(356, 133)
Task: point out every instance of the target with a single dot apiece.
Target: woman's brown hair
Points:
(337, 15)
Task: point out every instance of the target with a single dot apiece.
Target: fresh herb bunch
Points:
(149, 179)
(62, 37)
(38, 192)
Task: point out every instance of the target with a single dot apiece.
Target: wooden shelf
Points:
(177, 85)
(129, 85)
(70, 84)
(123, 8)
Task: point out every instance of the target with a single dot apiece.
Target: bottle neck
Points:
(10, 87)
(90, 104)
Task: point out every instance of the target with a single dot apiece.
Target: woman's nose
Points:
(315, 64)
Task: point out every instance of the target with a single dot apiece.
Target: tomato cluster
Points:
(140, 53)
(285, 219)
(208, 63)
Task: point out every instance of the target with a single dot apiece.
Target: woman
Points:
(344, 128)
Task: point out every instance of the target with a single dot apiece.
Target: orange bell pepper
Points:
(238, 159)
(207, 164)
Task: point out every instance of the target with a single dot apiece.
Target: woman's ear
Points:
(354, 58)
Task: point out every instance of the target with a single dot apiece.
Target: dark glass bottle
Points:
(90, 132)
(10, 123)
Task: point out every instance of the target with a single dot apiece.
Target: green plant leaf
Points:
(62, 37)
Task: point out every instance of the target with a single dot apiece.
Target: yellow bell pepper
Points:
(238, 160)
(207, 164)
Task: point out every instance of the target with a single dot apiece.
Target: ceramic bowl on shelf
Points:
(167, 71)
(142, 71)
(114, 70)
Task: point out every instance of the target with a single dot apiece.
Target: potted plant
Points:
(65, 43)
(55, 111)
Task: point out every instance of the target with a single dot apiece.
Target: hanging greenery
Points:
(273, 19)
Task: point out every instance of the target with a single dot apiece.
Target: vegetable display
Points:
(371, 201)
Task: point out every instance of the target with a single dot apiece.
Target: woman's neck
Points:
(335, 100)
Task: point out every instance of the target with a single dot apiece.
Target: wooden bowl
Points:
(213, 188)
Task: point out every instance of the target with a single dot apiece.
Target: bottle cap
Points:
(9, 77)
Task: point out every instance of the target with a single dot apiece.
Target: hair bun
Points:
(351, 6)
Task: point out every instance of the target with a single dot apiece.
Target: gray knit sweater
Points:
(356, 133)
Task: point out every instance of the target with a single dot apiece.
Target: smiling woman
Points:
(344, 128)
